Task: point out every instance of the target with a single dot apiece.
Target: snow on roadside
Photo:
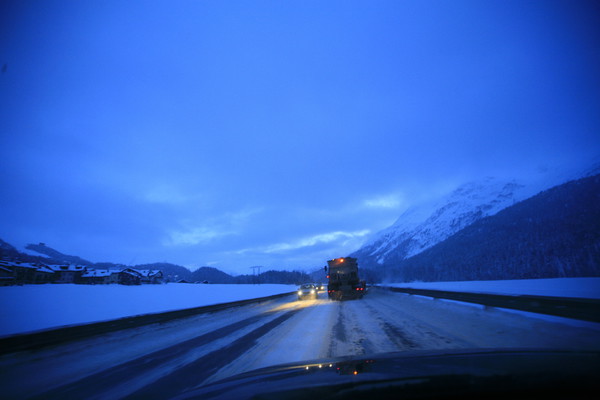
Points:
(36, 307)
(559, 287)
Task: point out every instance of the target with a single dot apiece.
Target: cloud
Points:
(168, 194)
(387, 201)
(231, 223)
(243, 216)
(338, 236)
(195, 236)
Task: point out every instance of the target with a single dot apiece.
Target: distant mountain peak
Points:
(6, 246)
(424, 225)
(42, 248)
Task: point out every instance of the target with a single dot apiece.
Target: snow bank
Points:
(34, 307)
(560, 287)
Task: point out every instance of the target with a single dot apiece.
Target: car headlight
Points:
(299, 292)
(312, 290)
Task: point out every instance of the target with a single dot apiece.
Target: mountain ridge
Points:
(171, 272)
(57, 255)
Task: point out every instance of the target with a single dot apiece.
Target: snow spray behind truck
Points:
(343, 279)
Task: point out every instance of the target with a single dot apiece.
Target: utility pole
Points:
(254, 272)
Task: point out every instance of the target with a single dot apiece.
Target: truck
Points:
(344, 283)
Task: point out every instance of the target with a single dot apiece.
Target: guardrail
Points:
(36, 340)
(569, 307)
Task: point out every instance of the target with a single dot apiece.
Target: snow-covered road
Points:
(161, 360)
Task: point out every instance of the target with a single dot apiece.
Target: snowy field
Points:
(560, 287)
(36, 307)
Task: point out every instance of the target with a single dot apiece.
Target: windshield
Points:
(193, 190)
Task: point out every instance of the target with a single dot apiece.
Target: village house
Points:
(43, 274)
(129, 276)
(125, 276)
(6, 275)
(67, 273)
(151, 275)
(20, 273)
(100, 276)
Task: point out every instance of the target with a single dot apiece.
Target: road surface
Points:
(162, 360)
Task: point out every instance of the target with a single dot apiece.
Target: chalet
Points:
(19, 273)
(125, 276)
(44, 274)
(67, 273)
(129, 276)
(151, 275)
(100, 276)
(22, 272)
(7, 276)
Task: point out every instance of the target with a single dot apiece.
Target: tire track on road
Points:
(147, 365)
(348, 338)
(305, 336)
(396, 334)
(196, 372)
(408, 332)
(369, 326)
(338, 332)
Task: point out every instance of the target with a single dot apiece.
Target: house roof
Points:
(99, 273)
(149, 272)
(11, 265)
(67, 267)
(131, 271)
(44, 268)
(17, 264)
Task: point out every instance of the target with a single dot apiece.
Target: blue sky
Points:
(274, 133)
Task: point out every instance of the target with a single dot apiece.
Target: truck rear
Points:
(344, 283)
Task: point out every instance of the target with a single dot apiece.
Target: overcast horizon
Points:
(282, 134)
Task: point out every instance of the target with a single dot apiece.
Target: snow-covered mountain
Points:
(425, 225)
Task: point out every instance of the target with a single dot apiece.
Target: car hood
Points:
(423, 374)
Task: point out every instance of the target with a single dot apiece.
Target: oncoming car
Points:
(307, 291)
